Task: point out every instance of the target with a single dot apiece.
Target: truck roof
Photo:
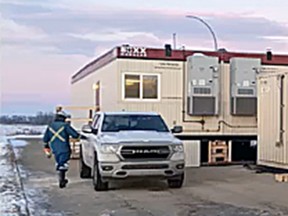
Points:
(129, 113)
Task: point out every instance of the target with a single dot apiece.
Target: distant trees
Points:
(39, 119)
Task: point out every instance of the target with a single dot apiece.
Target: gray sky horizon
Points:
(43, 43)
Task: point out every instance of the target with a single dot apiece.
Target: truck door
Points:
(93, 139)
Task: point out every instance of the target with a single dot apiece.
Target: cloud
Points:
(32, 5)
(114, 36)
(11, 30)
(45, 42)
(277, 38)
(80, 27)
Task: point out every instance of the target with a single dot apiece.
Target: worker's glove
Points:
(47, 152)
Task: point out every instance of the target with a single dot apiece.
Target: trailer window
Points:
(141, 86)
(132, 86)
(150, 87)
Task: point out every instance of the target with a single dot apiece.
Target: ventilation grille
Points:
(244, 106)
(202, 90)
(202, 106)
(245, 91)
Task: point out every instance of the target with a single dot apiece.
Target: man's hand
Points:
(47, 152)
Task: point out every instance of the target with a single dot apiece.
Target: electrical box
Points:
(243, 86)
(203, 85)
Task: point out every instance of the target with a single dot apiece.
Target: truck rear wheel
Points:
(176, 182)
(85, 171)
(99, 184)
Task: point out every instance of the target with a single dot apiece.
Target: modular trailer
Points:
(213, 95)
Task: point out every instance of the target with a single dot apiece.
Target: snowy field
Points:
(20, 130)
(15, 199)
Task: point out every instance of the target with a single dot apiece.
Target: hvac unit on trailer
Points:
(243, 86)
(203, 85)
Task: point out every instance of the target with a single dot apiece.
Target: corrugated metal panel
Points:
(192, 153)
(271, 151)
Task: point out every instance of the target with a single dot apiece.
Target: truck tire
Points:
(84, 170)
(98, 183)
(176, 182)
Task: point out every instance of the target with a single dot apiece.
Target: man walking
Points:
(56, 138)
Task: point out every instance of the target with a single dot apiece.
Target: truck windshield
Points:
(114, 123)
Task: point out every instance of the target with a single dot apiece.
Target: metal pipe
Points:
(281, 134)
(174, 41)
(218, 129)
(209, 28)
(236, 126)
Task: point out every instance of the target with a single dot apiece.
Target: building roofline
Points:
(176, 55)
(97, 63)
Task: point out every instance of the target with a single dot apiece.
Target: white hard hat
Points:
(62, 113)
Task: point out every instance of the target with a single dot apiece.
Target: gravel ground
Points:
(231, 191)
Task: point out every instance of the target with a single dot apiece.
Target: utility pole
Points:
(174, 41)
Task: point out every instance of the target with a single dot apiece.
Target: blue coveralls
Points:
(57, 136)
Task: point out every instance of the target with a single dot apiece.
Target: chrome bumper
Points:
(122, 169)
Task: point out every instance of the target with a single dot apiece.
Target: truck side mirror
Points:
(177, 129)
(87, 129)
(94, 131)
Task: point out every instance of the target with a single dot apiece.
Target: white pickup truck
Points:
(119, 145)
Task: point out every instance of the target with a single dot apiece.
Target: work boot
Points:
(62, 180)
(63, 183)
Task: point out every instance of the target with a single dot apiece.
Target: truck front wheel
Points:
(176, 182)
(99, 184)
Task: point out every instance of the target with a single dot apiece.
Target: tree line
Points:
(39, 119)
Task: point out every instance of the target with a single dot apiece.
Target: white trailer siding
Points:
(83, 91)
(172, 83)
(271, 151)
(170, 104)
(192, 153)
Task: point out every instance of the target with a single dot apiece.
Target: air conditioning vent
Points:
(202, 90)
(245, 92)
(203, 86)
(243, 89)
(204, 106)
(244, 106)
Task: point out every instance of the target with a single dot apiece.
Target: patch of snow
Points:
(40, 136)
(18, 143)
(18, 146)
(3, 141)
(10, 130)
(12, 201)
(107, 212)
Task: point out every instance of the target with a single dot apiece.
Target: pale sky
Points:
(43, 43)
